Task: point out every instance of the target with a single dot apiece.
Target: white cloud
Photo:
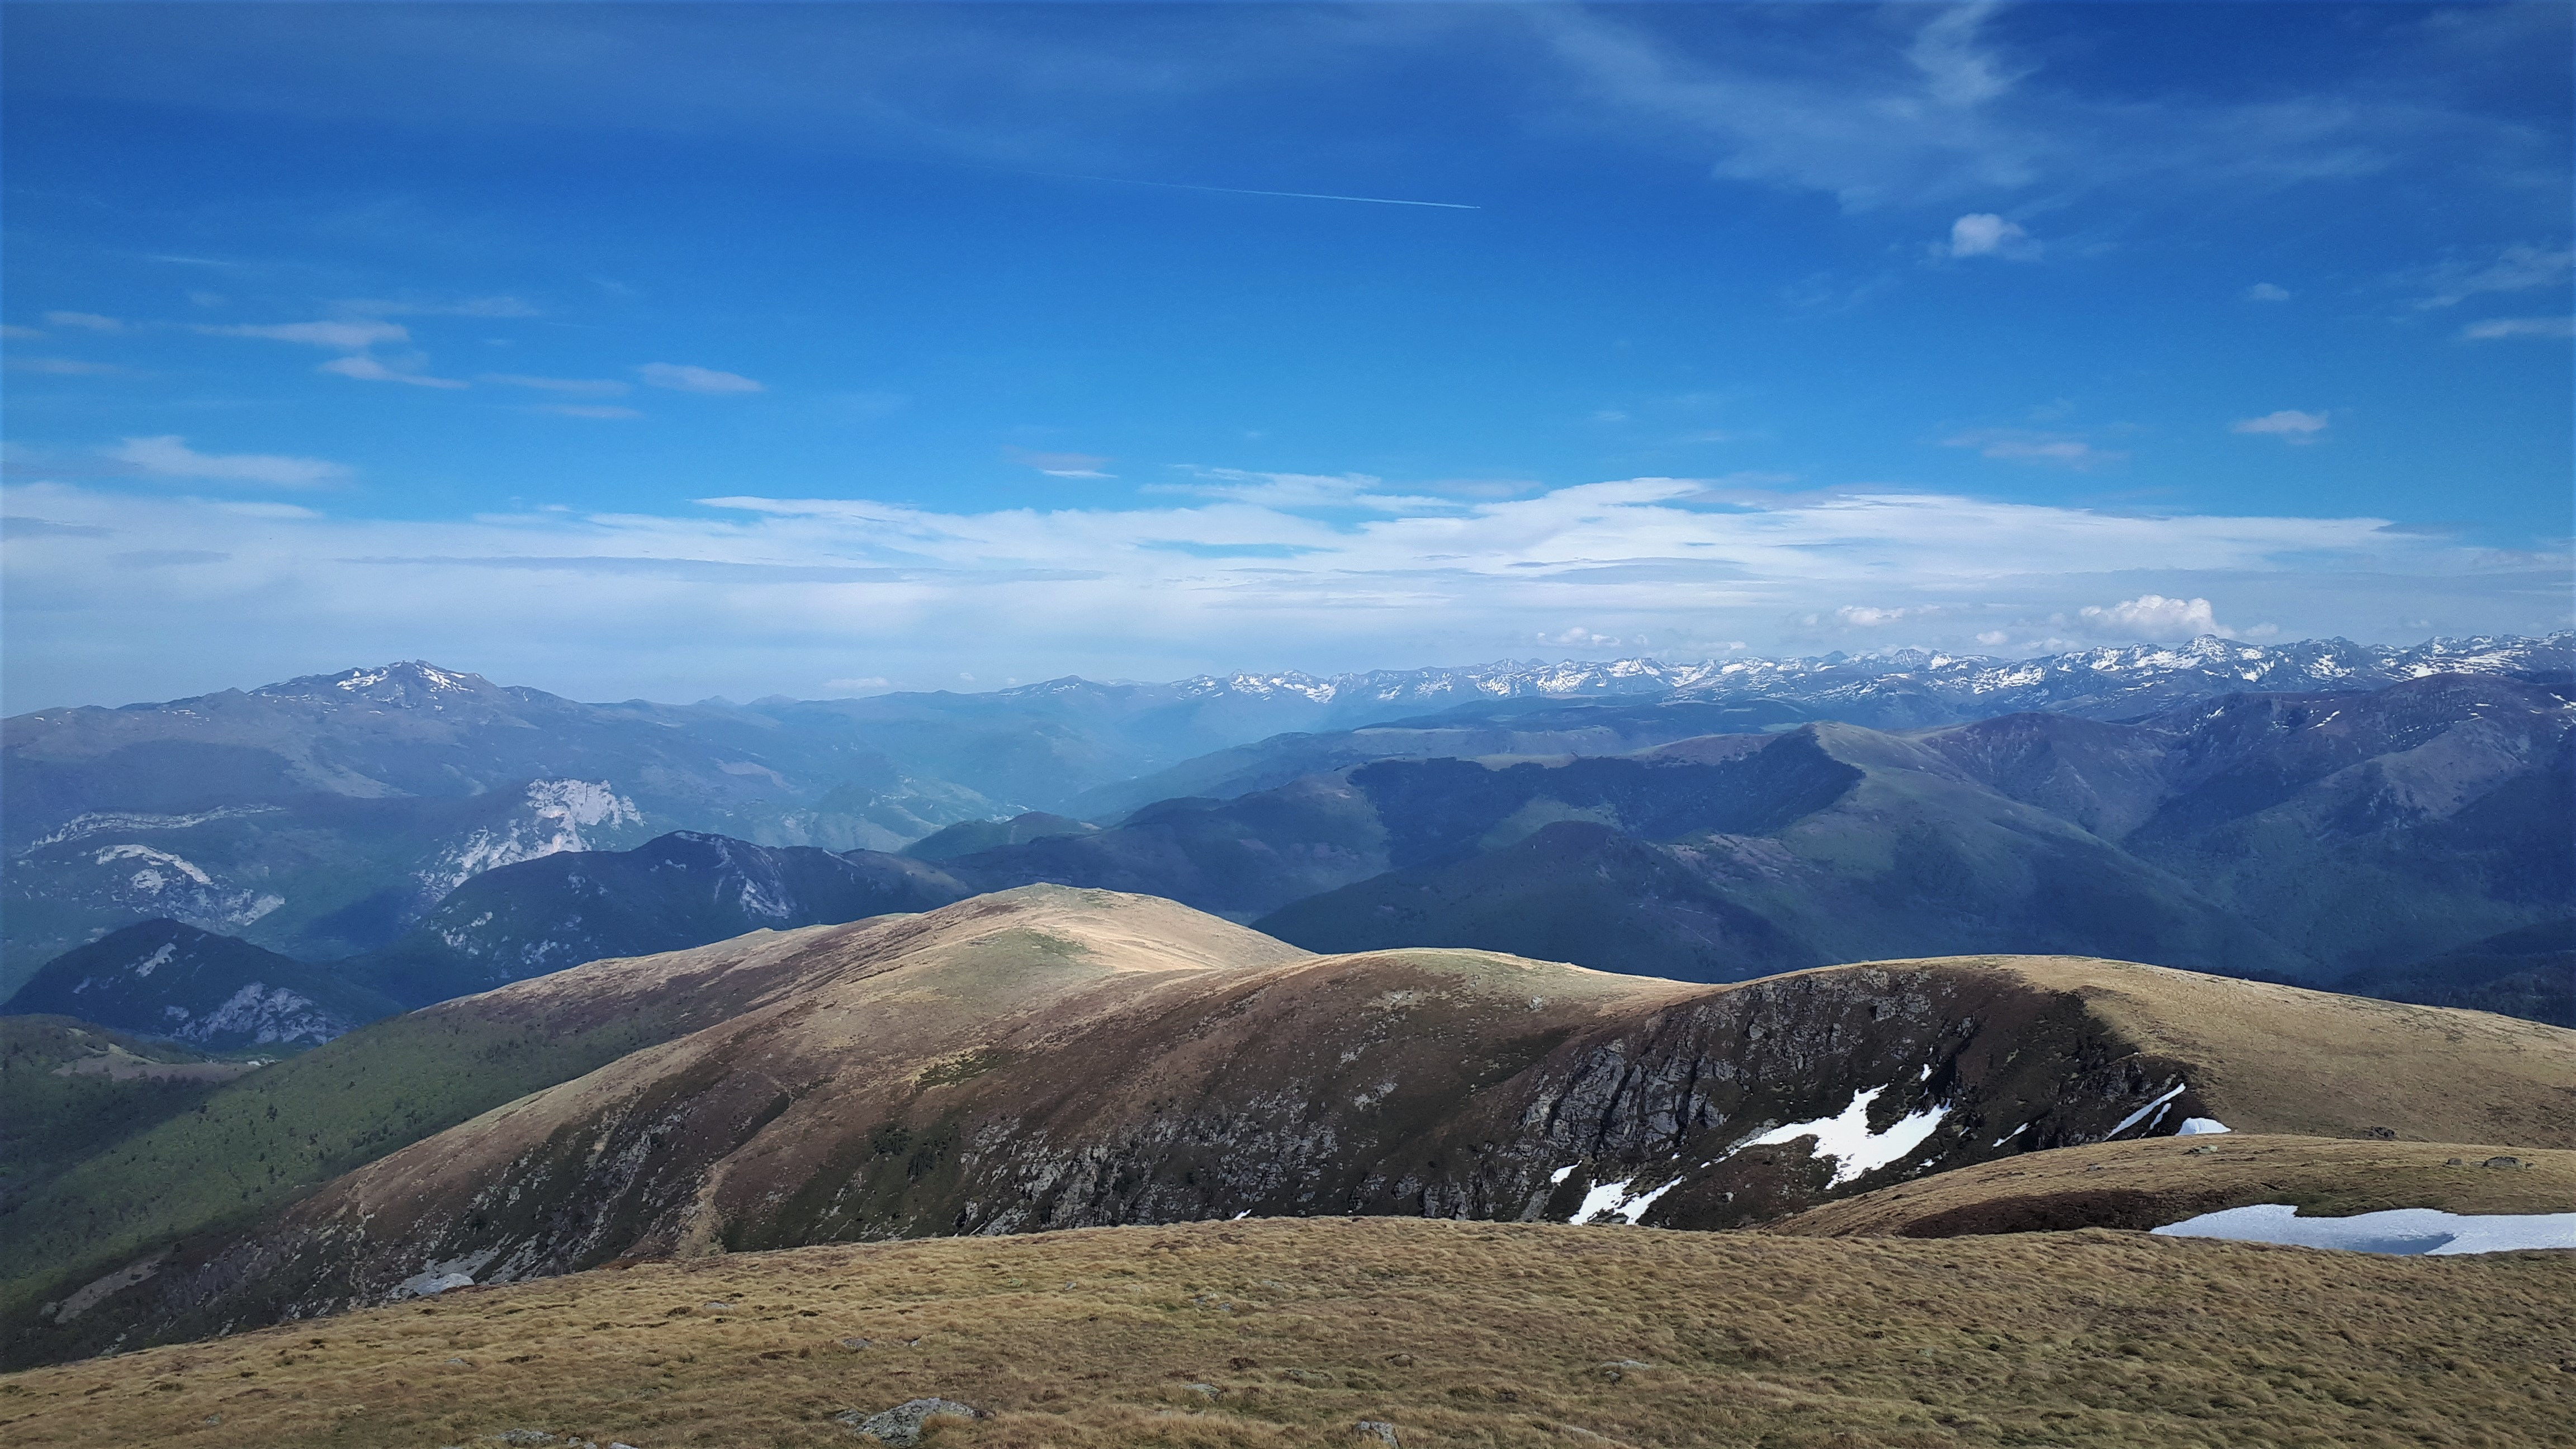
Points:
(2289, 425)
(341, 336)
(170, 456)
(747, 595)
(1868, 616)
(679, 377)
(87, 321)
(597, 411)
(2267, 292)
(2013, 445)
(574, 386)
(1984, 234)
(369, 369)
(16, 333)
(2556, 329)
(2151, 617)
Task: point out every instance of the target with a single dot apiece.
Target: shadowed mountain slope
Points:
(1056, 1058)
(671, 893)
(2262, 835)
(164, 979)
(2529, 973)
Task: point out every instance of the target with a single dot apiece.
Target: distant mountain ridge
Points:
(326, 815)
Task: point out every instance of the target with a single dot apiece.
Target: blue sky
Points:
(675, 350)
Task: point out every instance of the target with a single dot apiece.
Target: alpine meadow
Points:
(997, 724)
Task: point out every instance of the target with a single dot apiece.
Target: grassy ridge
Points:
(1284, 1332)
(260, 1141)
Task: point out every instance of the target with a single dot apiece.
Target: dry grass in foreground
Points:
(1290, 1332)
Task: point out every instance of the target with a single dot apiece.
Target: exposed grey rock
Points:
(1377, 1429)
(903, 1423)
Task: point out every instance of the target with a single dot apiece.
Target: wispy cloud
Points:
(64, 367)
(2496, 329)
(597, 412)
(430, 307)
(680, 377)
(86, 321)
(2289, 425)
(1060, 465)
(2267, 292)
(170, 456)
(15, 333)
(572, 386)
(372, 369)
(1942, 109)
(2015, 445)
(339, 334)
(2516, 268)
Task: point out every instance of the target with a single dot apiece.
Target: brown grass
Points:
(1457, 1333)
(2143, 1184)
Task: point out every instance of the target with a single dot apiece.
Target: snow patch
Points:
(558, 812)
(2408, 1231)
(2200, 1127)
(115, 853)
(1614, 1202)
(1558, 1177)
(157, 959)
(2140, 1115)
(1846, 1137)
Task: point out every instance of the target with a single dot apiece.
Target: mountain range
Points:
(2406, 840)
(1049, 1057)
(325, 816)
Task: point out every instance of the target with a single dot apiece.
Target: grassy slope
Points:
(264, 1140)
(1457, 1334)
(2144, 1184)
(67, 1086)
(2314, 1058)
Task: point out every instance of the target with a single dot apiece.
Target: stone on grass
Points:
(1377, 1429)
(903, 1423)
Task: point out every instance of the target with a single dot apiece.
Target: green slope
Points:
(265, 1139)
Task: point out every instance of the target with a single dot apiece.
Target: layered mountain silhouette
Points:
(1052, 1057)
(325, 816)
(2395, 839)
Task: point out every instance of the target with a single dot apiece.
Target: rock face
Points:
(1049, 1057)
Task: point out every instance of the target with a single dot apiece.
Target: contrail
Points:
(1247, 191)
